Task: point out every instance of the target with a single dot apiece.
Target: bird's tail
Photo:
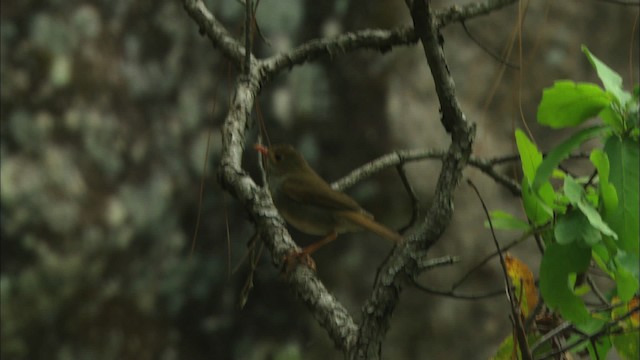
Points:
(368, 223)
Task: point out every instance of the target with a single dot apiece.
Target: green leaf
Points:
(610, 79)
(505, 221)
(558, 262)
(602, 257)
(574, 226)
(602, 347)
(632, 117)
(624, 158)
(607, 191)
(629, 261)
(561, 152)
(536, 207)
(530, 157)
(600, 160)
(569, 104)
(573, 190)
(595, 219)
(575, 194)
(626, 274)
(626, 284)
(626, 345)
(558, 174)
(508, 350)
(612, 118)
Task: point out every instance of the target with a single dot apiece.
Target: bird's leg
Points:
(304, 255)
(310, 249)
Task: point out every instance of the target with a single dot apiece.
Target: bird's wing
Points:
(315, 191)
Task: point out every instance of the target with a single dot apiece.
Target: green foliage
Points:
(537, 206)
(623, 219)
(505, 221)
(626, 343)
(610, 79)
(570, 104)
(593, 218)
(561, 152)
(558, 264)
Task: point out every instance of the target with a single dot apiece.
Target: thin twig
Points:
(412, 195)
(215, 31)
(597, 291)
(565, 326)
(454, 295)
(515, 309)
(474, 9)
(404, 156)
(533, 315)
(248, 36)
(585, 337)
(494, 254)
(486, 49)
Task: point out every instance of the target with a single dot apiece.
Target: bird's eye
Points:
(278, 157)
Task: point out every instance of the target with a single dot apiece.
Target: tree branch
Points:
(469, 11)
(215, 31)
(402, 265)
(401, 157)
(521, 336)
(373, 39)
(407, 260)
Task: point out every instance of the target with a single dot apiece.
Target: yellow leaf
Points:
(524, 283)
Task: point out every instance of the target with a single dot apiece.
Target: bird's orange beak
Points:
(263, 150)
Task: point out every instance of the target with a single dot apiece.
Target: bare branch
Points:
(604, 331)
(404, 156)
(378, 308)
(393, 159)
(324, 307)
(248, 36)
(454, 295)
(373, 39)
(521, 335)
(406, 260)
(219, 36)
(469, 11)
(487, 167)
(495, 253)
(412, 195)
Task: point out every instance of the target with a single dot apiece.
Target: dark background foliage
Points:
(106, 107)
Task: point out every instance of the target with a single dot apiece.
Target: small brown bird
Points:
(308, 203)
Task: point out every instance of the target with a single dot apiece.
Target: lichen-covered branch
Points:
(403, 264)
(462, 13)
(407, 260)
(372, 39)
(487, 166)
(215, 31)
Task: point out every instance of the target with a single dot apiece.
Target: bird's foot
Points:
(294, 258)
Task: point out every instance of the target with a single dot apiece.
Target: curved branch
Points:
(468, 11)
(257, 201)
(407, 260)
(377, 310)
(219, 36)
(400, 157)
(373, 39)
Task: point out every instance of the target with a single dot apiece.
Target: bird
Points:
(311, 205)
